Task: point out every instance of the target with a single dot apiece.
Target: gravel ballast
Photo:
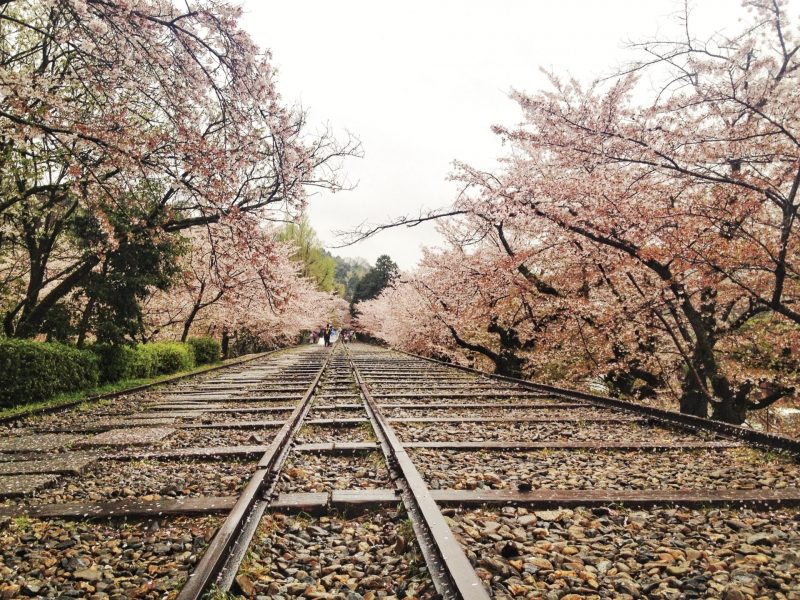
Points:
(346, 432)
(615, 553)
(532, 432)
(148, 480)
(114, 560)
(363, 558)
(736, 468)
(214, 437)
(311, 472)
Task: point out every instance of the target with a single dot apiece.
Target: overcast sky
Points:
(421, 82)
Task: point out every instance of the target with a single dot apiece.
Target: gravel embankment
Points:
(336, 400)
(608, 553)
(148, 480)
(502, 413)
(236, 417)
(336, 413)
(310, 472)
(313, 434)
(503, 401)
(76, 418)
(532, 432)
(206, 438)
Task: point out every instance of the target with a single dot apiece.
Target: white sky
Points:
(420, 83)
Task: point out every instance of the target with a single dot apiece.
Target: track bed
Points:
(361, 473)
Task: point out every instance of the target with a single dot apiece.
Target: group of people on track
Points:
(328, 334)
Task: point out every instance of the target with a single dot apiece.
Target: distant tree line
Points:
(353, 279)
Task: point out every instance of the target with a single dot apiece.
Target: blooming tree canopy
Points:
(655, 237)
(141, 116)
(239, 279)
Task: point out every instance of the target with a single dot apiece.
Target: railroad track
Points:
(361, 473)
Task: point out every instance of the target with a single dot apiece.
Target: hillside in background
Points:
(353, 279)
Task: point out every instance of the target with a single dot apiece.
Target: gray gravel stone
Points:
(663, 553)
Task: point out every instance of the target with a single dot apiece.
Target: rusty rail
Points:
(224, 554)
(450, 570)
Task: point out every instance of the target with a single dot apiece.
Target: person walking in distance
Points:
(327, 334)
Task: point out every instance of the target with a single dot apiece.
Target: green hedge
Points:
(116, 362)
(163, 358)
(143, 361)
(35, 371)
(206, 350)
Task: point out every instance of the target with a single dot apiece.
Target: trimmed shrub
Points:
(206, 350)
(164, 358)
(116, 362)
(35, 371)
(143, 362)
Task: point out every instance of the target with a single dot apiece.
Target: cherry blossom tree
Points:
(238, 276)
(671, 219)
(162, 115)
(692, 198)
(484, 297)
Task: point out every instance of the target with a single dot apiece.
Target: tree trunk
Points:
(694, 400)
(187, 325)
(8, 323)
(503, 365)
(509, 364)
(83, 326)
(225, 342)
(31, 318)
(730, 412)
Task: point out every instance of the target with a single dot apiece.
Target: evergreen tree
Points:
(375, 280)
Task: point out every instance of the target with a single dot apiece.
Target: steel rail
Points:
(451, 572)
(223, 556)
(670, 417)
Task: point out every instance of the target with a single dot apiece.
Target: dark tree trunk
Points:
(730, 412)
(31, 319)
(506, 362)
(509, 364)
(187, 325)
(225, 342)
(8, 323)
(83, 326)
(198, 304)
(694, 400)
